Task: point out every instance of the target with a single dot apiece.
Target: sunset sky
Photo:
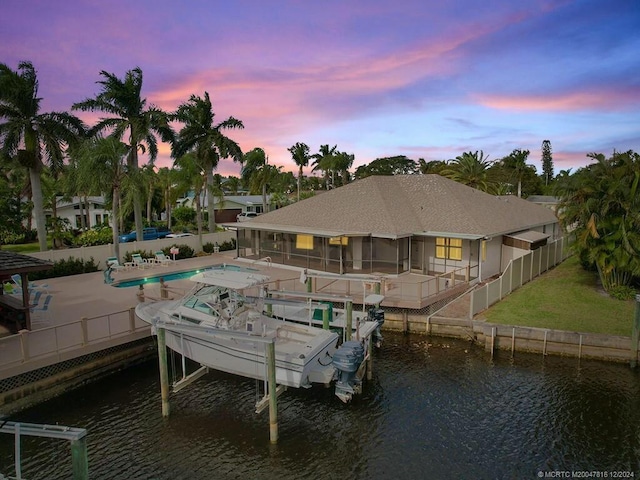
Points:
(425, 78)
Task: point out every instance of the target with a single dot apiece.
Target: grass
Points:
(23, 247)
(565, 298)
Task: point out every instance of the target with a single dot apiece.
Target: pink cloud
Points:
(604, 99)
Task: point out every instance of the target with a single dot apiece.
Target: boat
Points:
(218, 326)
(367, 322)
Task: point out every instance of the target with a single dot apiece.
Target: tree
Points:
(31, 137)
(166, 180)
(472, 169)
(123, 100)
(601, 204)
(259, 174)
(300, 155)
(324, 161)
(190, 176)
(206, 140)
(432, 167)
(547, 162)
(341, 164)
(398, 165)
(516, 161)
(101, 165)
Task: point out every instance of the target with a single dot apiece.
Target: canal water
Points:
(436, 409)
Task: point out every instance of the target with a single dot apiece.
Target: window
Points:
(450, 248)
(304, 242)
(339, 241)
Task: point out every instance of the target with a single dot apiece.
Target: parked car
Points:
(147, 234)
(181, 234)
(246, 216)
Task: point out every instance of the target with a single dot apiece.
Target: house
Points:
(92, 207)
(424, 224)
(230, 207)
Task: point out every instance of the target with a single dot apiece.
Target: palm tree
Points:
(101, 165)
(470, 168)
(27, 133)
(166, 180)
(341, 164)
(122, 99)
(150, 179)
(324, 161)
(601, 204)
(517, 163)
(189, 175)
(258, 174)
(232, 185)
(300, 155)
(206, 140)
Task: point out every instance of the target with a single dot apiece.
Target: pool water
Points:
(178, 275)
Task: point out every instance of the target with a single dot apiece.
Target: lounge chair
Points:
(114, 263)
(17, 280)
(162, 259)
(40, 313)
(138, 261)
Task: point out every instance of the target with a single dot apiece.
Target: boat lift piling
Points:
(269, 344)
(76, 436)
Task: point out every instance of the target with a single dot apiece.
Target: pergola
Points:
(15, 263)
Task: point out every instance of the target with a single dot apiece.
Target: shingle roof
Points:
(401, 205)
(11, 263)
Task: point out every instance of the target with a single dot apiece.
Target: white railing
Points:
(519, 271)
(73, 339)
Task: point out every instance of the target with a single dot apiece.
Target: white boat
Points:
(219, 327)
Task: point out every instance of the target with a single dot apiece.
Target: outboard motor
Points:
(347, 360)
(376, 314)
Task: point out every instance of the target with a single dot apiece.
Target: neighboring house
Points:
(425, 224)
(546, 201)
(230, 207)
(96, 214)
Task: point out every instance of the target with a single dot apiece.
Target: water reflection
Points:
(435, 409)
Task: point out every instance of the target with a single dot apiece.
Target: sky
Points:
(422, 78)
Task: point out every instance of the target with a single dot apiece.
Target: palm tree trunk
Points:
(299, 181)
(38, 207)
(199, 217)
(264, 198)
(114, 221)
(210, 199)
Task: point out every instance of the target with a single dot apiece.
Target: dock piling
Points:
(164, 371)
(273, 397)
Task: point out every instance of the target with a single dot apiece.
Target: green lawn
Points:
(565, 298)
(24, 247)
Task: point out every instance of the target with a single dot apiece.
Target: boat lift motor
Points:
(347, 360)
(376, 314)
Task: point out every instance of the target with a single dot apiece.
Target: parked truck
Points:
(150, 233)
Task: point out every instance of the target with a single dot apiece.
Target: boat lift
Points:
(273, 390)
(77, 437)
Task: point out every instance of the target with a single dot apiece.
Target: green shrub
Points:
(622, 292)
(185, 251)
(65, 267)
(143, 253)
(96, 236)
(228, 245)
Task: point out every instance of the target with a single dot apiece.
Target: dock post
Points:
(370, 359)
(325, 319)
(164, 371)
(635, 334)
(273, 397)
(349, 324)
(79, 459)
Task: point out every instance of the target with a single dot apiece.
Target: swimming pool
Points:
(178, 275)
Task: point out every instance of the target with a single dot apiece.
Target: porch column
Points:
(356, 252)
